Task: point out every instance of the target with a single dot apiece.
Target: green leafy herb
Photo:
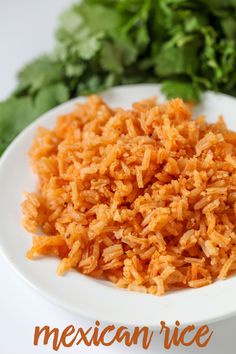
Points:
(189, 46)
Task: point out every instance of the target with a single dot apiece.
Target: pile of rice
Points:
(145, 198)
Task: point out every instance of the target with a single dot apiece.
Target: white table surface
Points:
(26, 30)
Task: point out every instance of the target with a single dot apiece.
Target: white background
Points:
(26, 30)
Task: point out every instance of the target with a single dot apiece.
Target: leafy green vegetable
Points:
(173, 60)
(20, 111)
(39, 74)
(176, 88)
(187, 45)
(50, 96)
(16, 113)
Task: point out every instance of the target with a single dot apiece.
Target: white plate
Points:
(84, 295)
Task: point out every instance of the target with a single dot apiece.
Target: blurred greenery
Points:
(187, 45)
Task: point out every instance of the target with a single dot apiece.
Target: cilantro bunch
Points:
(187, 45)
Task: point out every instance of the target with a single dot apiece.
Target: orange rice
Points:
(145, 198)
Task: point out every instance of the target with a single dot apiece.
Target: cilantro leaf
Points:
(189, 46)
(50, 97)
(173, 60)
(17, 111)
(184, 89)
(39, 73)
